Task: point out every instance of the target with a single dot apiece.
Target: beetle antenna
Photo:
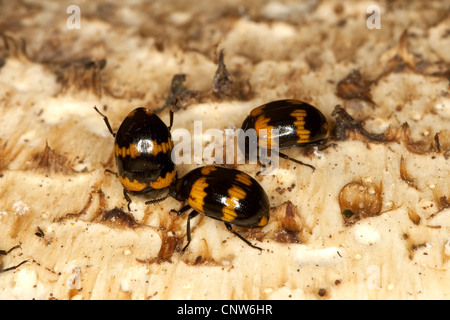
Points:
(105, 118)
(157, 200)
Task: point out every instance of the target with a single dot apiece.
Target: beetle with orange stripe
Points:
(283, 124)
(142, 149)
(224, 194)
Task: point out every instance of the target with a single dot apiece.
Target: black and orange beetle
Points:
(224, 194)
(142, 148)
(296, 123)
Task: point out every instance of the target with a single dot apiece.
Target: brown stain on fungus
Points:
(81, 75)
(354, 86)
(322, 292)
(400, 60)
(358, 200)
(443, 203)
(403, 135)
(83, 211)
(119, 218)
(170, 244)
(416, 147)
(412, 246)
(442, 142)
(223, 83)
(14, 47)
(413, 216)
(50, 162)
(179, 96)
(287, 224)
(7, 153)
(404, 175)
(171, 241)
(349, 128)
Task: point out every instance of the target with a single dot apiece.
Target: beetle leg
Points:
(127, 197)
(14, 267)
(322, 145)
(171, 113)
(105, 118)
(4, 252)
(171, 120)
(193, 214)
(261, 171)
(263, 160)
(240, 236)
(326, 146)
(182, 210)
(112, 172)
(284, 156)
